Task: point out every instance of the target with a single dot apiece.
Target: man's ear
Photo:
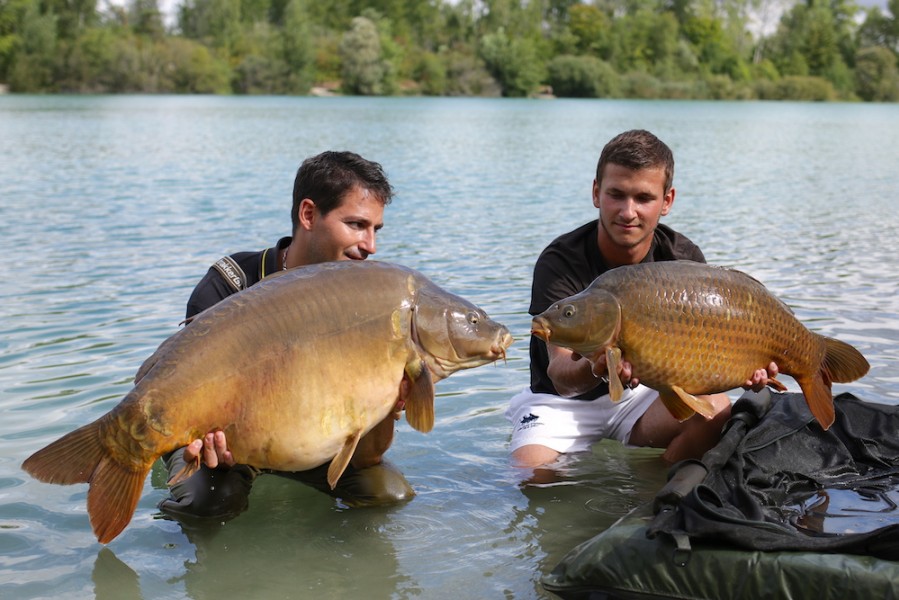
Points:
(668, 202)
(307, 213)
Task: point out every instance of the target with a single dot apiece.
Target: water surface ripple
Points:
(113, 207)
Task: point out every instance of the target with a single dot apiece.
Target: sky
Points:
(169, 7)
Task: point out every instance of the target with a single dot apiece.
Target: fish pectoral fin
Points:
(374, 444)
(339, 463)
(776, 384)
(676, 406)
(419, 398)
(613, 360)
(696, 404)
(184, 472)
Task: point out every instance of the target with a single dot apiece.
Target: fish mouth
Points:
(498, 351)
(498, 348)
(540, 328)
(443, 367)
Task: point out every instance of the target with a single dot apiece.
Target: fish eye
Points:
(473, 318)
(568, 310)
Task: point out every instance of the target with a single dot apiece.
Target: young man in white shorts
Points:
(567, 407)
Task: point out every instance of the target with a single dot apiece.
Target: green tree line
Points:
(710, 49)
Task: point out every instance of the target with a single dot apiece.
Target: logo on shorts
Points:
(529, 421)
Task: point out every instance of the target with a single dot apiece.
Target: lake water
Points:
(111, 208)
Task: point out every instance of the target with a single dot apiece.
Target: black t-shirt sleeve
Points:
(552, 282)
(564, 268)
(211, 290)
(686, 250)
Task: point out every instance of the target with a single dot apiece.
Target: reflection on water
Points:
(839, 510)
(113, 207)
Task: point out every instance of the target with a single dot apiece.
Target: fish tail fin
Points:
(82, 457)
(819, 398)
(113, 496)
(73, 458)
(676, 406)
(842, 362)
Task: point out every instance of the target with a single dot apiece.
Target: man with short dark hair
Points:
(337, 211)
(567, 406)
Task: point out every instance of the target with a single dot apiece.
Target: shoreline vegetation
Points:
(813, 50)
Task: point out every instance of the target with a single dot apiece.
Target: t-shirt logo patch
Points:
(528, 422)
(232, 273)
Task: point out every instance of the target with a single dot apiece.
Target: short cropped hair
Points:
(327, 177)
(637, 149)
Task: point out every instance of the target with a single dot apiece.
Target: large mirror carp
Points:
(691, 329)
(295, 370)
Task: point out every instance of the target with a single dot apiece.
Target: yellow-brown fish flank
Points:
(296, 370)
(692, 329)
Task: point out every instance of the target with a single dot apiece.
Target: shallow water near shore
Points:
(111, 208)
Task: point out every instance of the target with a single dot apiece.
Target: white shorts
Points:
(568, 425)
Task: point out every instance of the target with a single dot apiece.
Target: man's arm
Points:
(573, 375)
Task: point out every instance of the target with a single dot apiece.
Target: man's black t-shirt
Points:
(570, 264)
(213, 288)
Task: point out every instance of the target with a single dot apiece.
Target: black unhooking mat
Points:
(779, 508)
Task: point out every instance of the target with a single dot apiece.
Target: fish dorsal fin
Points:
(420, 396)
(700, 405)
(613, 360)
(145, 367)
(340, 462)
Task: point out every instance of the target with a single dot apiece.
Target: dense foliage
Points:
(720, 49)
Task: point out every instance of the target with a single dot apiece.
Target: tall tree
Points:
(146, 18)
(32, 68)
(299, 53)
(364, 69)
(877, 78)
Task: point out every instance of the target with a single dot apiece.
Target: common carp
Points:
(295, 370)
(691, 329)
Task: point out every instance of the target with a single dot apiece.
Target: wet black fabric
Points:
(778, 481)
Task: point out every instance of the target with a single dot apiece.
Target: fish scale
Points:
(716, 314)
(689, 329)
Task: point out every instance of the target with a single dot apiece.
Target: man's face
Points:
(631, 203)
(347, 232)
